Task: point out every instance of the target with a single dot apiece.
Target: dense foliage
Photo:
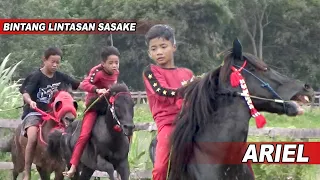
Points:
(284, 33)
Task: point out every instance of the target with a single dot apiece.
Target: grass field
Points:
(139, 156)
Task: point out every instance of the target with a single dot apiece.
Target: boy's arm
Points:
(26, 98)
(29, 86)
(73, 82)
(88, 83)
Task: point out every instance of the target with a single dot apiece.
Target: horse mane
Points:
(200, 104)
(63, 87)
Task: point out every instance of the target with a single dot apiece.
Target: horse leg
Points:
(18, 161)
(107, 167)
(44, 175)
(76, 175)
(123, 169)
(86, 173)
(111, 174)
(58, 175)
(16, 156)
(15, 175)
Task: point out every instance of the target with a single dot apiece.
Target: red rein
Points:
(46, 117)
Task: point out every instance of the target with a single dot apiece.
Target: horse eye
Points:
(307, 86)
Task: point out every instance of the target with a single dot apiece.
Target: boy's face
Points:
(161, 51)
(52, 63)
(111, 64)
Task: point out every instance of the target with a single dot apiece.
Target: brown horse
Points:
(63, 113)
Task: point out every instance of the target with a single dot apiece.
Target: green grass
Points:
(310, 119)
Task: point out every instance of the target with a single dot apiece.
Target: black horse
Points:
(215, 111)
(108, 147)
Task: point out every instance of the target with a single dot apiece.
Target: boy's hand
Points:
(102, 91)
(33, 104)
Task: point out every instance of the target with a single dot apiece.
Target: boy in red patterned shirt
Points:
(161, 83)
(99, 80)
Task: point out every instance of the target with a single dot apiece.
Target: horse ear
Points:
(237, 49)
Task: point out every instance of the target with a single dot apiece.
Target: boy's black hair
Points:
(108, 51)
(52, 51)
(160, 31)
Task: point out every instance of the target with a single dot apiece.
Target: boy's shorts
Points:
(31, 119)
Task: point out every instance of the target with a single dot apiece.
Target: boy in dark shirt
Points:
(161, 84)
(37, 91)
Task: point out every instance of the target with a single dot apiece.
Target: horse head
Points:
(64, 107)
(121, 106)
(276, 92)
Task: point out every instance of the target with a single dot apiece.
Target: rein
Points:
(46, 117)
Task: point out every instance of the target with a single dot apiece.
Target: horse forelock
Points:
(119, 87)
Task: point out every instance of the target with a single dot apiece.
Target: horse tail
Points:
(53, 147)
(5, 146)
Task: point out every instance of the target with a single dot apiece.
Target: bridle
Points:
(276, 96)
(111, 102)
(236, 80)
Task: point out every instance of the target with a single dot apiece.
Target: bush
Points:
(9, 90)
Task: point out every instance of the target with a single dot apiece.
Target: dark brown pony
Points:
(215, 112)
(63, 108)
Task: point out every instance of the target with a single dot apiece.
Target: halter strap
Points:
(111, 102)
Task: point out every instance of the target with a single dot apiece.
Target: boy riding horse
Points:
(161, 83)
(98, 82)
(37, 91)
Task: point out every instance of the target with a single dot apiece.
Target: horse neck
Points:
(231, 119)
(46, 127)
